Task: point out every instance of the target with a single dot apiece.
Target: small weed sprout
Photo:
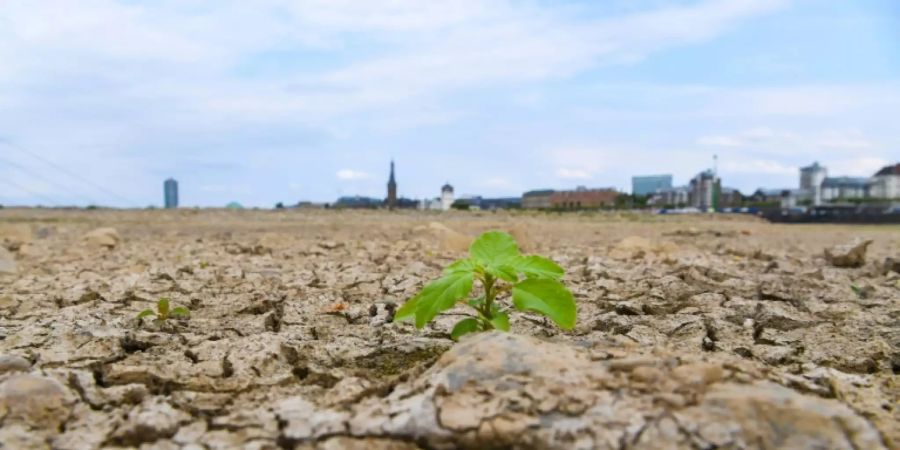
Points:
(163, 312)
(496, 263)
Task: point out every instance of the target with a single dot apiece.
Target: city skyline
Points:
(281, 103)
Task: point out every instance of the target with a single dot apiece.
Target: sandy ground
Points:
(290, 342)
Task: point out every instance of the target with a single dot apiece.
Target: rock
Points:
(848, 255)
(151, 420)
(347, 443)
(330, 245)
(7, 262)
(303, 421)
(103, 237)
(502, 390)
(38, 401)
(13, 363)
(767, 415)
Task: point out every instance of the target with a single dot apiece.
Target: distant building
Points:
(704, 190)
(766, 196)
(392, 189)
(442, 203)
(539, 199)
(646, 185)
(170, 192)
(844, 188)
(730, 198)
(676, 197)
(583, 198)
(811, 179)
(886, 183)
(407, 203)
(497, 203)
(446, 197)
(489, 204)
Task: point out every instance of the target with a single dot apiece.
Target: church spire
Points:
(392, 189)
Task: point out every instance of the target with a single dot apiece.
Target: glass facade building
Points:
(170, 190)
(645, 185)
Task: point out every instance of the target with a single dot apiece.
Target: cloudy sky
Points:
(278, 100)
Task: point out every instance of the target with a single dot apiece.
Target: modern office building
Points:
(170, 192)
(648, 184)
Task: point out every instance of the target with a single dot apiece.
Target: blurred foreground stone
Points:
(499, 390)
(848, 255)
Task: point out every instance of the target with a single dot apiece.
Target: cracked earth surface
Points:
(693, 332)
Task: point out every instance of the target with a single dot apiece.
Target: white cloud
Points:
(758, 166)
(862, 166)
(720, 141)
(349, 174)
(500, 183)
(185, 56)
(573, 174)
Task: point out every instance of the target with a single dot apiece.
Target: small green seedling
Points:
(163, 313)
(496, 263)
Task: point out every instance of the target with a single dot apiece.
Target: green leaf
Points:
(463, 327)
(494, 248)
(163, 306)
(461, 266)
(180, 311)
(145, 313)
(538, 267)
(441, 294)
(408, 310)
(548, 297)
(500, 321)
(503, 272)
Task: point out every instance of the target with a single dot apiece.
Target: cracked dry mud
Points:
(693, 333)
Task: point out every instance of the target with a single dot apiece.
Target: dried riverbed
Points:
(692, 333)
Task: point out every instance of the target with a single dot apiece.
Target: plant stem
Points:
(489, 295)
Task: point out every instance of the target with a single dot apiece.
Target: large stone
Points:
(38, 401)
(7, 262)
(767, 415)
(151, 420)
(103, 237)
(13, 363)
(848, 255)
(498, 390)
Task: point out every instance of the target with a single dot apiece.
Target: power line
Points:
(67, 171)
(39, 176)
(30, 192)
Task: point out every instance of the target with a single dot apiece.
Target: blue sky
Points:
(268, 101)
